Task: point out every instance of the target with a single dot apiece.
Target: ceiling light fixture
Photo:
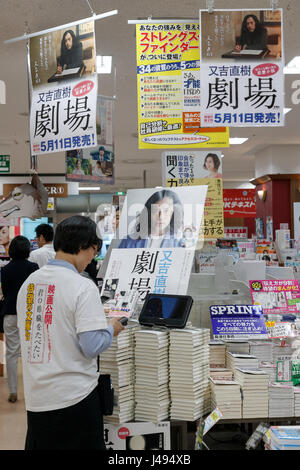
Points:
(89, 188)
(104, 63)
(293, 66)
(237, 140)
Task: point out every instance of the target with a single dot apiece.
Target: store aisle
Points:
(12, 416)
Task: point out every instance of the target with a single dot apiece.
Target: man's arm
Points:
(92, 343)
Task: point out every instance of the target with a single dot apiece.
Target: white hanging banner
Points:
(241, 68)
(64, 89)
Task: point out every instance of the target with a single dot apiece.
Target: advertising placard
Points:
(237, 322)
(239, 203)
(195, 168)
(276, 297)
(155, 244)
(168, 86)
(241, 68)
(64, 90)
(137, 436)
(95, 164)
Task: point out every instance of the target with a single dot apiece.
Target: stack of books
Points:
(297, 401)
(262, 350)
(226, 395)
(152, 397)
(281, 400)
(189, 373)
(255, 391)
(118, 362)
(285, 438)
(221, 374)
(281, 351)
(217, 353)
(238, 346)
(236, 361)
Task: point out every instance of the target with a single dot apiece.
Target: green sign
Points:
(4, 163)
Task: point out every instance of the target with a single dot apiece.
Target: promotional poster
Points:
(95, 164)
(64, 90)
(241, 68)
(168, 86)
(190, 168)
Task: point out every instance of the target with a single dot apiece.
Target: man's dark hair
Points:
(76, 233)
(19, 248)
(46, 230)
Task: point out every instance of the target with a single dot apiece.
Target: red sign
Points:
(239, 202)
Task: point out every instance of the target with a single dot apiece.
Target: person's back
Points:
(45, 252)
(57, 374)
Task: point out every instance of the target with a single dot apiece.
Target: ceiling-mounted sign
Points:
(57, 189)
(239, 203)
(241, 68)
(64, 90)
(4, 163)
(168, 84)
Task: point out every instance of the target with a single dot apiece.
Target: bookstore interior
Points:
(177, 136)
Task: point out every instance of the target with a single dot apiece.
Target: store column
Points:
(277, 182)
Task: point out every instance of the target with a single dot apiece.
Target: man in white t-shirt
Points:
(45, 251)
(63, 329)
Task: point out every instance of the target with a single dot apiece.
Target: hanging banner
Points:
(64, 90)
(154, 249)
(168, 84)
(276, 297)
(239, 203)
(241, 68)
(96, 164)
(195, 168)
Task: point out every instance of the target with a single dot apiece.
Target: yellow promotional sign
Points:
(168, 84)
(213, 221)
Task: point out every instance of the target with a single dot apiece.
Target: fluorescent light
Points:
(286, 110)
(89, 188)
(104, 63)
(237, 140)
(293, 66)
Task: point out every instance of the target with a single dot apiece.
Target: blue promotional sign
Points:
(238, 322)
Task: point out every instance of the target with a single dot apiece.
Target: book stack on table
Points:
(189, 373)
(238, 346)
(226, 395)
(255, 392)
(118, 362)
(270, 369)
(297, 401)
(221, 374)
(281, 400)
(152, 395)
(237, 360)
(217, 354)
(284, 438)
(262, 350)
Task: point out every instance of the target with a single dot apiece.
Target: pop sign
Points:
(238, 322)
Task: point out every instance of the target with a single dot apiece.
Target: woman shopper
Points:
(12, 277)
